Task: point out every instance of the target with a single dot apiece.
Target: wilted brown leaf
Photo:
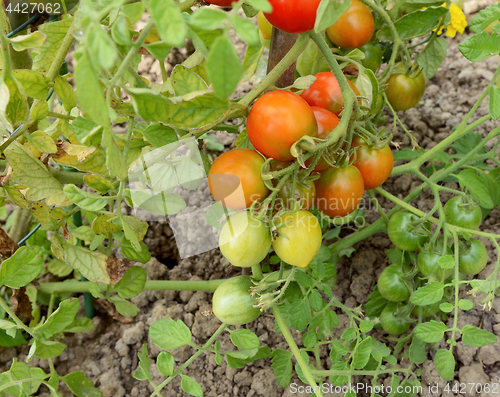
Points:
(21, 304)
(7, 245)
(117, 268)
(111, 310)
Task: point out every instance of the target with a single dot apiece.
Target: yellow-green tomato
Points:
(299, 238)
(232, 302)
(244, 240)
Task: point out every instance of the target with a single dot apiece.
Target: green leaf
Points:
(34, 83)
(85, 200)
(260, 5)
(348, 334)
(91, 264)
(245, 339)
(446, 262)
(415, 24)
(133, 11)
(142, 373)
(25, 41)
(282, 366)
(124, 307)
(375, 304)
(242, 354)
(208, 19)
(132, 283)
(428, 294)
(446, 307)
(472, 182)
(159, 135)
(120, 32)
(101, 47)
(484, 18)
(365, 326)
(7, 324)
(80, 385)
(190, 386)
(8, 341)
(15, 105)
(22, 267)
(492, 183)
(168, 21)
(168, 334)
(465, 304)
(494, 103)
(165, 363)
(316, 300)
(58, 320)
(151, 106)
(379, 350)
(184, 81)
(48, 349)
(328, 13)
(303, 279)
(445, 364)
(39, 111)
(480, 46)
(432, 56)
(223, 67)
(361, 353)
(300, 314)
(129, 252)
(81, 324)
(115, 161)
(20, 371)
(430, 332)
(42, 142)
(98, 182)
(55, 33)
(309, 339)
(246, 29)
(89, 92)
(65, 93)
(417, 351)
(252, 57)
(477, 337)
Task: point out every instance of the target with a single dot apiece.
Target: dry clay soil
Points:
(108, 354)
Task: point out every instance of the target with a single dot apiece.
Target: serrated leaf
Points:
(34, 83)
(22, 267)
(48, 349)
(168, 334)
(143, 373)
(470, 180)
(15, 104)
(159, 135)
(246, 30)
(282, 366)
(91, 264)
(316, 300)
(300, 314)
(98, 182)
(446, 262)
(223, 67)
(417, 351)
(85, 200)
(102, 225)
(115, 160)
(59, 320)
(245, 339)
(428, 294)
(432, 56)
(480, 46)
(431, 331)
(132, 283)
(55, 33)
(80, 385)
(168, 21)
(445, 364)
(208, 19)
(65, 92)
(42, 142)
(129, 252)
(484, 18)
(100, 46)
(477, 337)
(361, 353)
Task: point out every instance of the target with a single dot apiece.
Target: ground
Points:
(108, 354)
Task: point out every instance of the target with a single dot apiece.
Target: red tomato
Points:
(327, 122)
(375, 165)
(277, 120)
(232, 168)
(325, 93)
(222, 3)
(354, 28)
(297, 16)
(339, 191)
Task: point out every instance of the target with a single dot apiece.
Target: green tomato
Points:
(390, 323)
(460, 213)
(405, 89)
(391, 285)
(403, 233)
(428, 266)
(244, 241)
(474, 259)
(373, 57)
(232, 302)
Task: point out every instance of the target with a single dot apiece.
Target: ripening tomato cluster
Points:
(408, 233)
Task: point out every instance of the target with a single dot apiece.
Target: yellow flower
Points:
(458, 23)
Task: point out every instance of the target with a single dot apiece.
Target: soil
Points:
(108, 354)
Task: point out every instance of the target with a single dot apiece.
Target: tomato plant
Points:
(472, 258)
(406, 231)
(404, 90)
(354, 28)
(326, 93)
(461, 213)
(304, 191)
(244, 240)
(375, 165)
(232, 302)
(293, 17)
(277, 120)
(235, 180)
(339, 191)
(429, 267)
(327, 121)
(392, 324)
(299, 238)
(391, 284)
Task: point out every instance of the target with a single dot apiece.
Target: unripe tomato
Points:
(390, 323)
(229, 170)
(297, 16)
(375, 165)
(373, 57)
(460, 213)
(299, 240)
(232, 302)
(327, 122)
(222, 3)
(391, 285)
(277, 120)
(305, 192)
(405, 90)
(265, 26)
(339, 191)
(326, 93)
(428, 265)
(403, 233)
(474, 259)
(354, 28)
(244, 240)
